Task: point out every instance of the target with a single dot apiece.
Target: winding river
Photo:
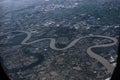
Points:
(92, 54)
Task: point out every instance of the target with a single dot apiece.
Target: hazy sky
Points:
(16, 4)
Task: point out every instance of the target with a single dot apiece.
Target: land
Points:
(59, 40)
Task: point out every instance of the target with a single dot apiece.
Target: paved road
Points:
(92, 54)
